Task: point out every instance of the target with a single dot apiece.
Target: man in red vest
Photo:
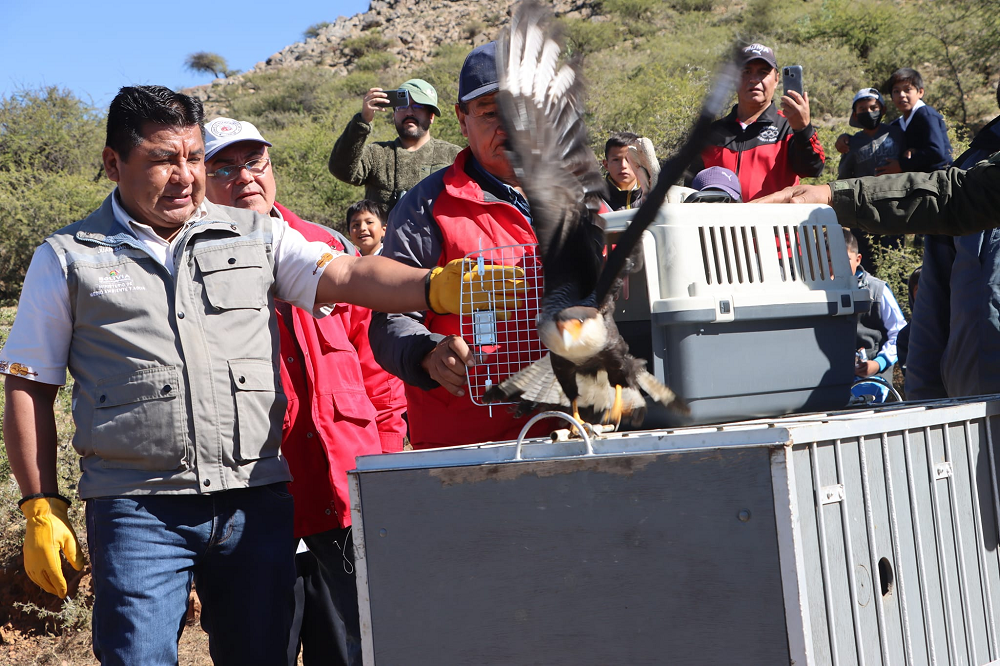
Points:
(475, 203)
(341, 404)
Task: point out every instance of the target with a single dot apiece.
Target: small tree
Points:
(204, 62)
(314, 30)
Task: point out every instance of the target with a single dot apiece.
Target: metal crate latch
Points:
(831, 494)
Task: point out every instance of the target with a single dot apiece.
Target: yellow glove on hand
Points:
(495, 289)
(48, 532)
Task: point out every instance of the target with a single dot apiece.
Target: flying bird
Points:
(588, 367)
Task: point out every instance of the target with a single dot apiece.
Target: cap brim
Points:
(479, 92)
(425, 100)
(209, 154)
(773, 64)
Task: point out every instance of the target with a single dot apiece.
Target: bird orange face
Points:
(570, 330)
(576, 333)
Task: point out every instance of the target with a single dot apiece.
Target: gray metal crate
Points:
(843, 538)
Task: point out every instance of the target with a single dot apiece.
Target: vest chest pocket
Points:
(138, 421)
(233, 275)
(260, 408)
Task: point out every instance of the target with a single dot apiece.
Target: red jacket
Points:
(468, 223)
(341, 404)
(768, 155)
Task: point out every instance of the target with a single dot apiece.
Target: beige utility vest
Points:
(176, 386)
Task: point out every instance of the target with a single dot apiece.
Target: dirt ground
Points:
(74, 649)
(26, 640)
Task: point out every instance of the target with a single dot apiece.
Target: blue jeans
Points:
(237, 547)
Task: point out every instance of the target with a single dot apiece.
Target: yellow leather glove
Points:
(48, 532)
(495, 289)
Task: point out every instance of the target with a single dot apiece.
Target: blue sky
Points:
(93, 47)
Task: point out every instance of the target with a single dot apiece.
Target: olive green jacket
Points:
(952, 201)
(385, 168)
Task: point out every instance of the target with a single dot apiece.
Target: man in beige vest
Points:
(161, 307)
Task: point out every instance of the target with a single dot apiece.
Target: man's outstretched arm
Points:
(387, 285)
(951, 202)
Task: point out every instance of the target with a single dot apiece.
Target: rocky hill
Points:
(414, 29)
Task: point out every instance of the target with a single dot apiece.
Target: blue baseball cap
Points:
(479, 73)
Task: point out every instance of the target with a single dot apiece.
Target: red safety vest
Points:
(341, 404)
(468, 223)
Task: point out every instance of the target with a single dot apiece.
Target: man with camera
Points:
(388, 169)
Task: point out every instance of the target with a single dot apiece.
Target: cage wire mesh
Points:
(503, 341)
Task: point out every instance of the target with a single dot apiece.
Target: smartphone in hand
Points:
(398, 98)
(791, 78)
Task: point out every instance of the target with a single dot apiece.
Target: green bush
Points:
(356, 84)
(305, 185)
(631, 10)
(49, 130)
(894, 265)
(693, 5)
(33, 204)
(368, 42)
(473, 28)
(375, 62)
(50, 174)
(587, 36)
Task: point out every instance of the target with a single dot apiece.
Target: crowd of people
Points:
(171, 302)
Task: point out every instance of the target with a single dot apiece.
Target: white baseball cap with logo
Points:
(223, 132)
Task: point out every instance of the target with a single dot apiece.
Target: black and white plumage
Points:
(541, 103)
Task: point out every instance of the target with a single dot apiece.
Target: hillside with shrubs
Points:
(647, 62)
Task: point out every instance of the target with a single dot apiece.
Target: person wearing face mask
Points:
(875, 149)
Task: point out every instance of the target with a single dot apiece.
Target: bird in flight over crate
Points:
(540, 101)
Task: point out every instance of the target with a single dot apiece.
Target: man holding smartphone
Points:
(387, 169)
(768, 149)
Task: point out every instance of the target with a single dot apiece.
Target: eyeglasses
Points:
(257, 167)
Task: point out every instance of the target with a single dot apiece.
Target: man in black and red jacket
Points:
(768, 149)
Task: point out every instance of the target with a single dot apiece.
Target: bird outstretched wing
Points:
(670, 173)
(541, 104)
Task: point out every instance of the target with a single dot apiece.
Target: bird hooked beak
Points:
(570, 330)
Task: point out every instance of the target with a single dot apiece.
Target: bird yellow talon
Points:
(615, 414)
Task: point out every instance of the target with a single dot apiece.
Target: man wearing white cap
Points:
(387, 169)
(342, 404)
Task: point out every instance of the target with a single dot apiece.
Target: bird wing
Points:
(535, 384)
(541, 104)
(718, 95)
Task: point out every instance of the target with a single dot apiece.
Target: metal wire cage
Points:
(503, 341)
